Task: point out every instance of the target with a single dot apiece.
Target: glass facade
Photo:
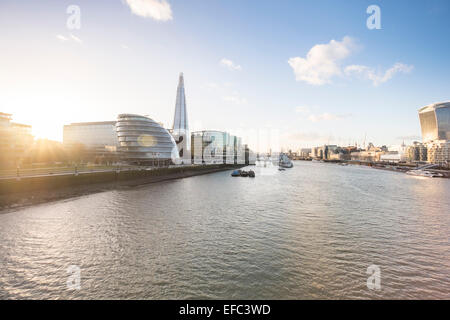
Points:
(230, 142)
(417, 152)
(142, 140)
(197, 147)
(15, 140)
(180, 127)
(439, 153)
(213, 147)
(92, 135)
(435, 122)
(428, 125)
(443, 122)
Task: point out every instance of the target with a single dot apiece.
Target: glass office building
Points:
(15, 140)
(435, 125)
(435, 122)
(94, 136)
(180, 127)
(144, 141)
(214, 147)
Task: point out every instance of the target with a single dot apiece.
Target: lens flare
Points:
(146, 140)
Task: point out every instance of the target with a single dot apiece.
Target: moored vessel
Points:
(244, 173)
(236, 173)
(284, 161)
(424, 173)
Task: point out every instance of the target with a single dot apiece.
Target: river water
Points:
(308, 232)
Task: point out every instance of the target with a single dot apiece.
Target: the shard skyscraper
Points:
(180, 128)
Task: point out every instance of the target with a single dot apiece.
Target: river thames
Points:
(305, 233)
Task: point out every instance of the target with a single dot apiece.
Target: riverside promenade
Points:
(39, 188)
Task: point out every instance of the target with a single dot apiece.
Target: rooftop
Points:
(21, 125)
(92, 123)
(435, 106)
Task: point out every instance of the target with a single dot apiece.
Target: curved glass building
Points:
(435, 122)
(144, 141)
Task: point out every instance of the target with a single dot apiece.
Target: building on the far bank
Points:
(214, 147)
(341, 154)
(395, 154)
(143, 141)
(323, 152)
(435, 126)
(250, 156)
(435, 122)
(439, 152)
(15, 140)
(371, 154)
(91, 139)
(417, 152)
(393, 157)
(180, 127)
(209, 147)
(304, 153)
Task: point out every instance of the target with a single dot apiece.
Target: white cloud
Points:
(156, 9)
(75, 38)
(235, 99)
(61, 37)
(302, 109)
(327, 117)
(306, 111)
(230, 64)
(305, 136)
(211, 85)
(67, 38)
(226, 92)
(410, 137)
(322, 61)
(378, 77)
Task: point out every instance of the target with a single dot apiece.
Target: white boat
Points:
(284, 161)
(423, 173)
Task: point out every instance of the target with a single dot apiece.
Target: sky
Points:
(303, 73)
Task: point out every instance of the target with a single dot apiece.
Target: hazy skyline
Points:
(315, 73)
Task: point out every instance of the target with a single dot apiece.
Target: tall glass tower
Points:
(180, 128)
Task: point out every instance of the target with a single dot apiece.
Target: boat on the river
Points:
(424, 173)
(284, 161)
(236, 173)
(244, 173)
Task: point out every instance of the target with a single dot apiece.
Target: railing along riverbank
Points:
(22, 191)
